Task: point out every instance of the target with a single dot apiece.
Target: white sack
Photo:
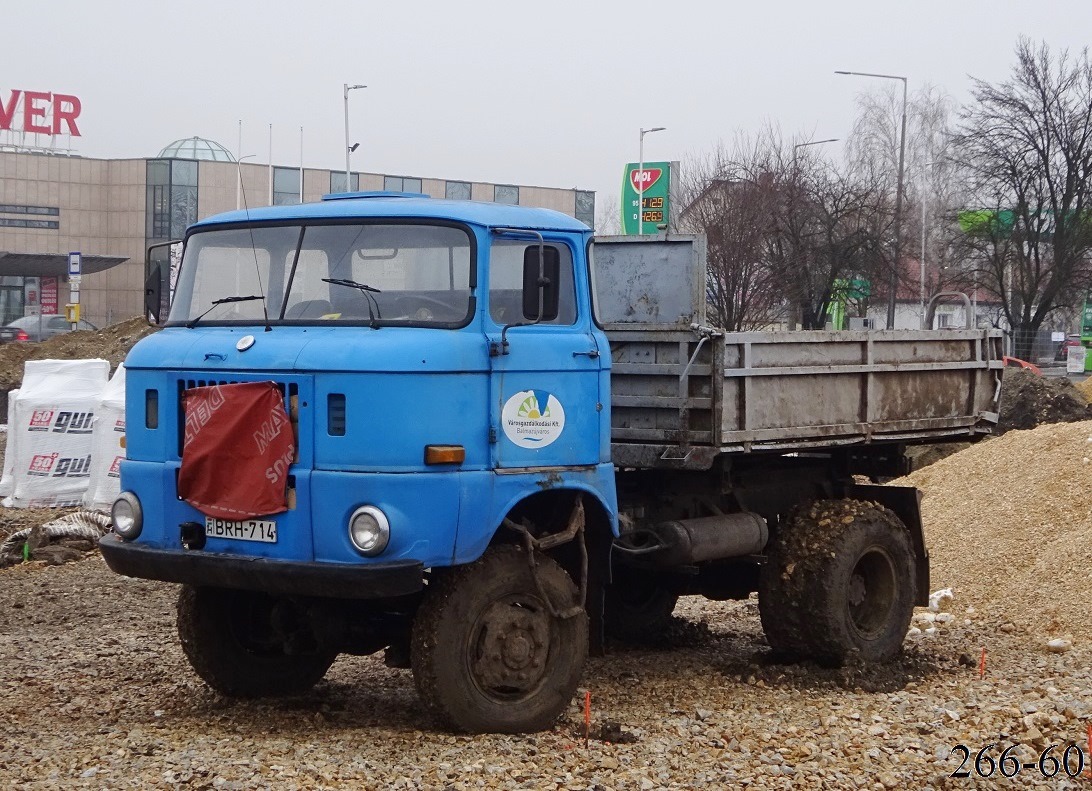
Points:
(53, 416)
(7, 482)
(107, 445)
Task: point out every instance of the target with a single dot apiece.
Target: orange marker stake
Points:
(1088, 772)
(982, 664)
(587, 717)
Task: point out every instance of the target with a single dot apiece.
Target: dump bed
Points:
(682, 393)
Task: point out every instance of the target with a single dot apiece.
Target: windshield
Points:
(376, 274)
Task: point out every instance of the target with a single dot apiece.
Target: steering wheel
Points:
(423, 308)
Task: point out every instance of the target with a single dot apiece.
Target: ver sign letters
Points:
(40, 113)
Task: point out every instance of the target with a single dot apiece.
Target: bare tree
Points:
(732, 214)
(931, 187)
(786, 229)
(1026, 145)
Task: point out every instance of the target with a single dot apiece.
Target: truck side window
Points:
(506, 284)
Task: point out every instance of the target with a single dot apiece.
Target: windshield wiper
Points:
(222, 301)
(366, 290)
(340, 281)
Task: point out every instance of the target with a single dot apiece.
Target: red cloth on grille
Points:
(237, 450)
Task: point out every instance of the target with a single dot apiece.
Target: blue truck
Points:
(510, 441)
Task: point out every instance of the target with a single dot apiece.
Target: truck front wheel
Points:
(839, 583)
(494, 651)
(237, 643)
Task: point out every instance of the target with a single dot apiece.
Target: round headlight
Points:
(126, 516)
(369, 530)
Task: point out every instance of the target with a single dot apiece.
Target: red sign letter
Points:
(7, 111)
(32, 112)
(65, 108)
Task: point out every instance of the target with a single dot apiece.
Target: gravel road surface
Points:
(96, 694)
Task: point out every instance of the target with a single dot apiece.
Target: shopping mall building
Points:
(111, 210)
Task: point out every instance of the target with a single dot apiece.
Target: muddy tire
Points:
(229, 638)
(638, 607)
(488, 655)
(839, 583)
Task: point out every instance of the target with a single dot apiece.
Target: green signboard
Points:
(653, 187)
(1086, 317)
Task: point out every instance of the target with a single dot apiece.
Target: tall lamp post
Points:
(239, 182)
(811, 143)
(641, 178)
(348, 148)
(921, 297)
(893, 285)
(800, 304)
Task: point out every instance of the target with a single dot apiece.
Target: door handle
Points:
(593, 354)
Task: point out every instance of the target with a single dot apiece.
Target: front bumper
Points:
(276, 577)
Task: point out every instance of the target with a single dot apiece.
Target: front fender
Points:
(511, 487)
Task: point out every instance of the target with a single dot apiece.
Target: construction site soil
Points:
(96, 691)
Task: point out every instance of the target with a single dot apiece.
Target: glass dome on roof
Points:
(196, 148)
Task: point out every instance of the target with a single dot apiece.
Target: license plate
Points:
(264, 530)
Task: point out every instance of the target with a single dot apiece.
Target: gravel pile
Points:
(1009, 525)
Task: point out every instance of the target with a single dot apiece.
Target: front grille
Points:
(290, 392)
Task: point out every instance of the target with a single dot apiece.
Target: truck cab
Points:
(447, 390)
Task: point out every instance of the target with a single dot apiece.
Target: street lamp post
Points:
(893, 286)
(921, 296)
(239, 182)
(811, 143)
(348, 147)
(641, 178)
(799, 302)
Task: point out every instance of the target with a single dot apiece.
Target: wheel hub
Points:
(871, 592)
(512, 647)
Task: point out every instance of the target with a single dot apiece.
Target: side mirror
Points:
(154, 266)
(541, 281)
(153, 293)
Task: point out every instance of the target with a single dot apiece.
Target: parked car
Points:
(1063, 347)
(44, 327)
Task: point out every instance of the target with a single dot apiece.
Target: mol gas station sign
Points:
(646, 196)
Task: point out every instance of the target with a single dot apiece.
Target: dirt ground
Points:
(97, 694)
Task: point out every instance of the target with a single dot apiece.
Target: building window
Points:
(183, 196)
(51, 211)
(286, 186)
(506, 193)
(6, 222)
(457, 190)
(401, 184)
(337, 182)
(171, 205)
(585, 207)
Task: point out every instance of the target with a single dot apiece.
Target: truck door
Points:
(544, 387)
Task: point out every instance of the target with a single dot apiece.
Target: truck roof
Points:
(404, 205)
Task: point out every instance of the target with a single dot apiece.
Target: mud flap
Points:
(905, 502)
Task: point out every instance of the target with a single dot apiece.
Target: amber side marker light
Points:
(444, 454)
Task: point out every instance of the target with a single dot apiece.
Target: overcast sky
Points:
(544, 93)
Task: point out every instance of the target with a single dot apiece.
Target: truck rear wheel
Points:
(488, 652)
(638, 607)
(234, 642)
(839, 583)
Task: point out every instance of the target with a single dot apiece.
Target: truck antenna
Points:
(254, 252)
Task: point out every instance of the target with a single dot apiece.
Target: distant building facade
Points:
(111, 210)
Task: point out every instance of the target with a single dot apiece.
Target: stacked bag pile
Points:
(66, 436)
